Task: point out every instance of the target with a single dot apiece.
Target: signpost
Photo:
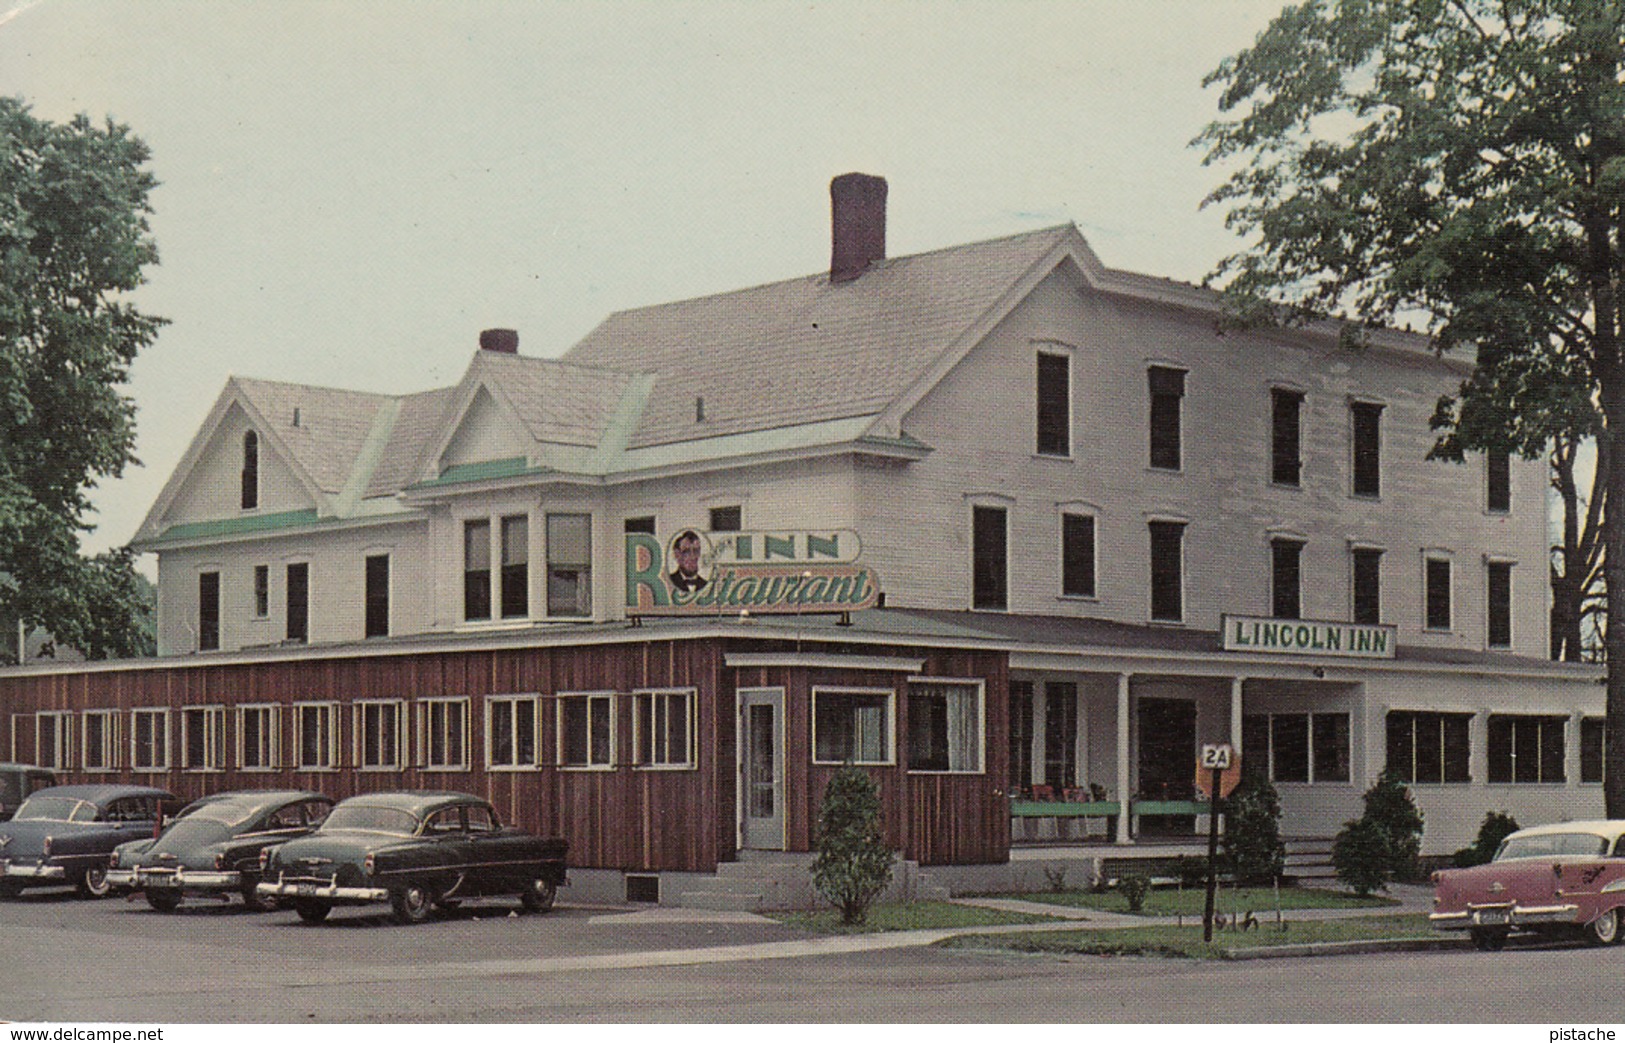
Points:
(1223, 768)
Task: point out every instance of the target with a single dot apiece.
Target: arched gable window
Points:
(251, 470)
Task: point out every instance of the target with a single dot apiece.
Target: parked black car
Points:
(62, 836)
(213, 846)
(414, 850)
(17, 781)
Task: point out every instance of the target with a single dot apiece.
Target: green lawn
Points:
(907, 916)
(1187, 941)
(1189, 901)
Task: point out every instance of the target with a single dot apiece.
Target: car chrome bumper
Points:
(326, 892)
(175, 879)
(1508, 916)
(34, 871)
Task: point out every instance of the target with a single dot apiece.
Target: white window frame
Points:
(359, 733)
(980, 687)
(547, 564)
(654, 697)
(1076, 509)
(1065, 353)
(533, 700)
(270, 751)
(1432, 554)
(454, 716)
(331, 747)
(163, 744)
(890, 757)
(560, 702)
(214, 733)
(1511, 565)
(109, 744)
(61, 724)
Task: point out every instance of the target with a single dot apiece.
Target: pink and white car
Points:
(1567, 878)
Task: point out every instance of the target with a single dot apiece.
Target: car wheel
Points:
(1604, 930)
(310, 911)
(163, 901)
(93, 883)
(411, 904)
(538, 898)
(10, 889)
(1487, 939)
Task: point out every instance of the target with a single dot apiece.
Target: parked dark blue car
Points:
(61, 836)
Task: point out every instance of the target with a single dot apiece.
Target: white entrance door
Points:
(761, 768)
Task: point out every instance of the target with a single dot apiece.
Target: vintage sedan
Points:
(62, 836)
(1567, 878)
(213, 846)
(414, 850)
(17, 781)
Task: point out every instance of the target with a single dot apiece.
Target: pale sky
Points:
(351, 191)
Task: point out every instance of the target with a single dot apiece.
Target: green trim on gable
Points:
(235, 526)
(507, 467)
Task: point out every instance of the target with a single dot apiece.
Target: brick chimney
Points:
(504, 341)
(857, 204)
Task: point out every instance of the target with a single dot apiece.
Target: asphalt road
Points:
(72, 961)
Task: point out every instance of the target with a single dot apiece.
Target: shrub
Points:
(1362, 854)
(854, 864)
(1494, 829)
(1253, 851)
(1134, 887)
(1389, 806)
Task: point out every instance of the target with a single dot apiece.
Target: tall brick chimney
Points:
(504, 341)
(857, 204)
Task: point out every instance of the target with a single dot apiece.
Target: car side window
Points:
(445, 821)
(480, 820)
(126, 811)
(285, 818)
(316, 812)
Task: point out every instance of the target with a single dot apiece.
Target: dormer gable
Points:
(486, 430)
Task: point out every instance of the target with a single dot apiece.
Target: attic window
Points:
(699, 409)
(251, 470)
(295, 416)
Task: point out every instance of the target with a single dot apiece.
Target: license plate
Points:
(1489, 917)
(305, 890)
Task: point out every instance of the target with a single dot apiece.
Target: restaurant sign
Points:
(1307, 637)
(711, 573)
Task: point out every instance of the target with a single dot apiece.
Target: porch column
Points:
(1123, 809)
(1040, 722)
(1235, 713)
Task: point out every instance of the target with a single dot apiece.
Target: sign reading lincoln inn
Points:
(708, 573)
(1307, 637)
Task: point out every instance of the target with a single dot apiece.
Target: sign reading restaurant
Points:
(1307, 637)
(707, 573)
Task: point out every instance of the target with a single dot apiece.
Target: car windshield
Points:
(56, 809)
(195, 831)
(372, 819)
(1545, 845)
(223, 812)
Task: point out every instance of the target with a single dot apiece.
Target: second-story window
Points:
(1286, 463)
(208, 611)
(1077, 556)
(1366, 418)
(375, 596)
(1498, 482)
(262, 591)
(515, 576)
(1436, 593)
(989, 564)
(1367, 582)
(299, 601)
(727, 519)
(477, 569)
(1167, 387)
(251, 470)
(1286, 558)
(1054, 405)
(1167, 571)
(1498, 624)
(569, 564)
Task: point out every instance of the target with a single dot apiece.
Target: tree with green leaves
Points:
(1253, 850)
(853, 865)
(74, 240)
(1460, 163)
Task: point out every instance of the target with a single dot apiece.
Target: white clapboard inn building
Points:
(1160, 532)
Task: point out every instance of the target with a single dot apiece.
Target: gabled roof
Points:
(804, 351)
(332, 426)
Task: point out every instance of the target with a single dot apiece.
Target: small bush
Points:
(1253, 851)
(854, 864)
(1494, 829)
(1363, 855)
(1390, 807)
(1134, 887)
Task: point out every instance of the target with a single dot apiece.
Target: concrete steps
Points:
(1309, 861)
(762, 880)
